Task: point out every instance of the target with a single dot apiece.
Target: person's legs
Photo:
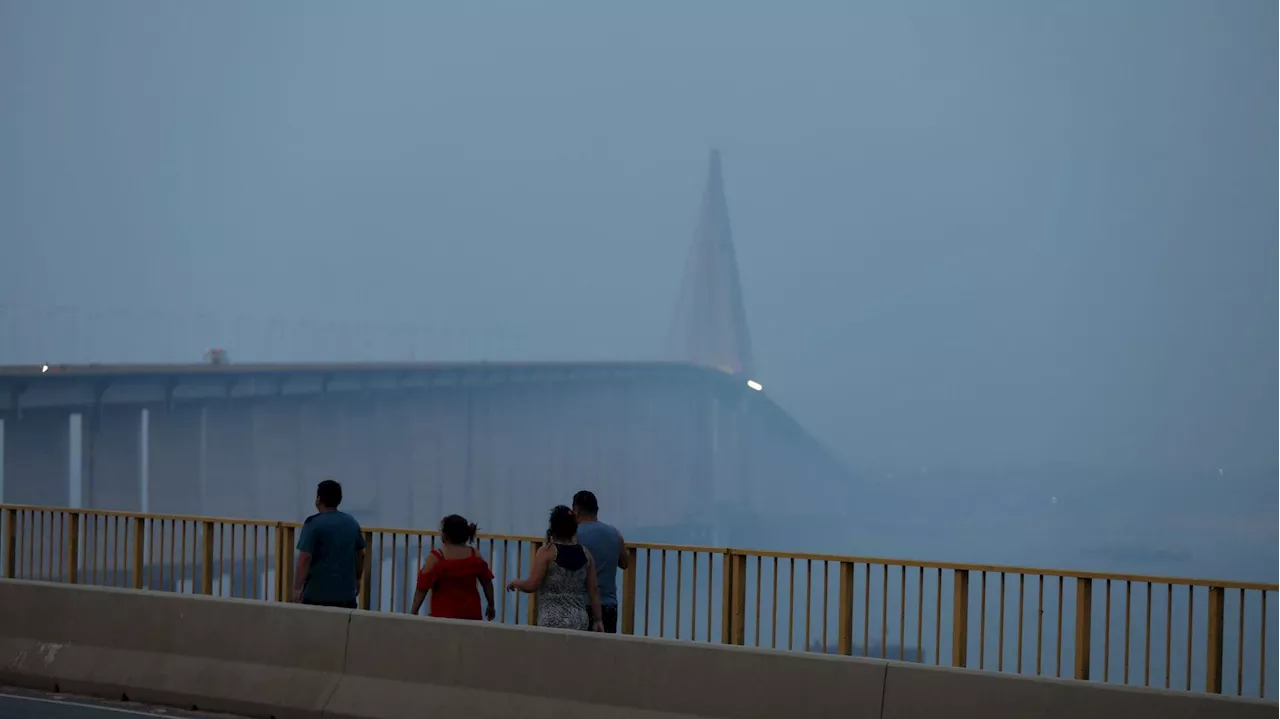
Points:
(609, 613)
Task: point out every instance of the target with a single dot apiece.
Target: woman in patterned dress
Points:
(563, 575)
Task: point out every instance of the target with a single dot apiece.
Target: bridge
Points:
(413, 441)
(500, 442)
(117, 481)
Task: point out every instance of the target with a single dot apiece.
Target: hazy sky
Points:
(981, 232)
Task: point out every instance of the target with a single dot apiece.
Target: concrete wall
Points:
(274, 660)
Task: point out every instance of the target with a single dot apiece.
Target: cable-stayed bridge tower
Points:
(710, 324)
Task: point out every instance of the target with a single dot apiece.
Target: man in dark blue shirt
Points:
(330, 553)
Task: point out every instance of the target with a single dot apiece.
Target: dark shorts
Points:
(349, 604)
(608, 616)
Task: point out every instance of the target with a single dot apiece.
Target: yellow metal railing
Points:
(1200, 635)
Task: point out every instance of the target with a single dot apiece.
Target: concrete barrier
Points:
(284, 661)
(243, 657)
(921, 691)
(490, 671)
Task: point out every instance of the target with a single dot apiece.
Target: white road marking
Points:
(72, 702)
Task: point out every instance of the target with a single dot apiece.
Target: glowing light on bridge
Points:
(754, 385)
(44, 368)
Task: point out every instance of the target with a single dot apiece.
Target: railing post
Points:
(739, 605)
(1084, 619)
(733, 601)
(73, 548)
(1213, 648)
(279, 564)
(960, 619)
(287, 563)
(845, 638)
(726, 597)
(139, 551)
(10, 543)
(531, 618)
(366, 595)
(290, 560)
(206, 562)
(284, 570)
(628, 618)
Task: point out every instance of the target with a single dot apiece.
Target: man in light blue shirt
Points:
(609, 550)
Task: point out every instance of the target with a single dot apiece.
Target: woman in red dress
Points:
(454, 573)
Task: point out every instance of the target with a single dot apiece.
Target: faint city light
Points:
(754, 385)
(44, 368)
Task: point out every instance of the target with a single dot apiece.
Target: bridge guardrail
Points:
(1171, 632)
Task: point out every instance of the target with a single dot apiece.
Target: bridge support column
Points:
(277, 431)
(424, 480)
(390, 473)
(37, 458)
(112, 440)
(319, 451)
(176, 462)
(229, 489)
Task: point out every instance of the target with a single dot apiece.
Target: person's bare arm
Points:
(624, 557)
(593, 593)
(306, 545)
(537, 571)
(420, 594)
(360, 563)
(490, 611)
(300, 569)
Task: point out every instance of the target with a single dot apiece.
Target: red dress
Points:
(453, 584)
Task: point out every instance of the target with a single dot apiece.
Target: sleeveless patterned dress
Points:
(562, 598)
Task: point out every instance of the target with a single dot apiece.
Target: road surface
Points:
(24, 704)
